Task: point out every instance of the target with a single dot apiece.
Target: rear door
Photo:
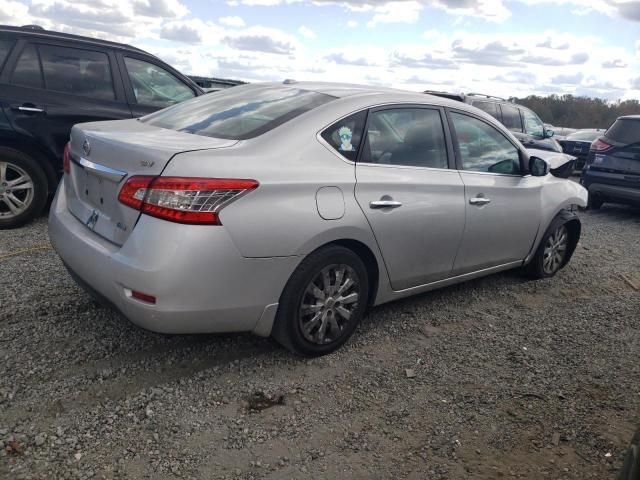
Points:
(502, 203)
(151, 85)
(411, 197)
(53, 86)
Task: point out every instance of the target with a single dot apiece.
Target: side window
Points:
(77, 71)
(532, 124)
(27, 72)
(488, 107)
(483, 148)
(5, 48)
(406, 136)
(154, 86)
(511, 118)
(346, 135)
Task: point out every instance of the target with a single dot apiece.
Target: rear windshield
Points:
(589, 136)
(624, 130)
(238, 113)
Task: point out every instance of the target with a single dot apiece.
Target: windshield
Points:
(238, 113)
(588, 136)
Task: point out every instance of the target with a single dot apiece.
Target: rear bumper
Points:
(201, 282)
(602, 184)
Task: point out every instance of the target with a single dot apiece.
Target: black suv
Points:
(525, 125)
(50, 81)
(612, 171)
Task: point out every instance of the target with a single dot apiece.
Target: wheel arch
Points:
(574, 225)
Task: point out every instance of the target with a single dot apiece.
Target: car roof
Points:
(629, 117)
(37, 32)
(346, 90)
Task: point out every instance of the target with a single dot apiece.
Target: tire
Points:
(330, 316)
(22, 201)
(594, 203)
(554, 251)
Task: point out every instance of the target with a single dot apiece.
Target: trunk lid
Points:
(105, 154)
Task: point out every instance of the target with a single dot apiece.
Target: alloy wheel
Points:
(555, 250)
(16, 190)
(329, 304)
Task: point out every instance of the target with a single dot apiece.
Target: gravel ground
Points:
(498, 377)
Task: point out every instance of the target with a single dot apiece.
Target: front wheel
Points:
(323, 302)
(552, 254)
(594, 203)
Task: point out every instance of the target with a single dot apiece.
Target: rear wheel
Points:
(323, 302)
(23, 188)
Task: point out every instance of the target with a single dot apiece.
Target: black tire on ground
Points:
(631, 467)
(536, 267)
(594, 202)
(15, 158)
(288, 326)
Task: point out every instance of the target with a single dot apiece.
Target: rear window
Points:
(5, 48)
(488, 107)
(511, 118)
(238, 113)
(625, 130)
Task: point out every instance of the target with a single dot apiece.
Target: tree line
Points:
(578, 112)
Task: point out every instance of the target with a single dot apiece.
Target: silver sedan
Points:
(290, 209)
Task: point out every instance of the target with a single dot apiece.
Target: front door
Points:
(502, 205)
(413, 201)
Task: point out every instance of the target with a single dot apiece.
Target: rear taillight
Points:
(183, 199)
(66, 159)
(600, 145)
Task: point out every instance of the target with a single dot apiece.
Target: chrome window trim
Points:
(99, 170)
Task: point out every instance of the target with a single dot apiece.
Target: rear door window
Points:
(345, 135)
(488, 107)
(5, 48)
(511, 118)
(154, 86)
(412, 137)
(238, 113)
(77, 71)
(624, 130)
(27, 72)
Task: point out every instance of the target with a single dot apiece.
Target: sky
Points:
(498, 47)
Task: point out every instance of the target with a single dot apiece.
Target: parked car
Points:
(579, 144)
(612, 171)
(50, 81)
(289, 209)
(525, 125)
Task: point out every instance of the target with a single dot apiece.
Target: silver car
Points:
(290, 209)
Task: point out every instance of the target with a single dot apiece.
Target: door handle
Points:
(29, 108)
(479, 201)
(384, 204)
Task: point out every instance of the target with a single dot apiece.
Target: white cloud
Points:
(306, 32)
(396, 12)
(352, 24)
(232, 21)
(262, 39)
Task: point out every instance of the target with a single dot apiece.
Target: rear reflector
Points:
(66, 159)
(183, 199)
(600, 145)
(143, 297)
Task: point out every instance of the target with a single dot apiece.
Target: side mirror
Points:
(548, 133)
(538, 167)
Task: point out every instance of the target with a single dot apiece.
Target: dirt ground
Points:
(496, 378)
